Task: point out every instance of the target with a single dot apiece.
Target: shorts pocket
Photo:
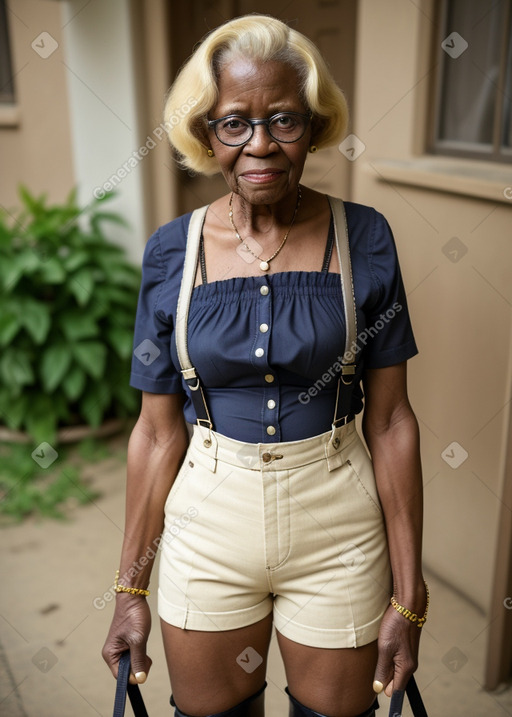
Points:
(183, 472)
(362, 468)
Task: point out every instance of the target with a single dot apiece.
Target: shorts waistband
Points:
(330, 445)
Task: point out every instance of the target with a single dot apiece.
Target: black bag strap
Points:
(123, 686)
(413, 694)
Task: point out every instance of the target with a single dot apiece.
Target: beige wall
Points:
(460, 382)
(35, 135)
(109, 149)
(151, 42)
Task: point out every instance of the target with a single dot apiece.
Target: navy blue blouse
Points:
(268, 348)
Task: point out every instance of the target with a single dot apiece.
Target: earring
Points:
(209, 152)
(313, 148)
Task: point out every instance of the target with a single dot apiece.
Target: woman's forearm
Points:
(396, 460)
(153, 463)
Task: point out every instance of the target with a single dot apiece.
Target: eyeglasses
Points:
(234, 130)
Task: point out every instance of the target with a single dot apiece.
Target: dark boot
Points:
(253, 706)
(298, 710)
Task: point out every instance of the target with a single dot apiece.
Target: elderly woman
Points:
(264, 320)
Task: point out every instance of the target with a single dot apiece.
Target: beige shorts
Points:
(290, 528)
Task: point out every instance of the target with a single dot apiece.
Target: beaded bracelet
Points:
(412, 616)
(133, 591)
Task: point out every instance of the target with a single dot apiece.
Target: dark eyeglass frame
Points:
(212, 124)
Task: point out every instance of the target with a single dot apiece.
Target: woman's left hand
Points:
(398, 646)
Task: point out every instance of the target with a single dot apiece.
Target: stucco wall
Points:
(108, 149)
(35, 134)
(459, 295)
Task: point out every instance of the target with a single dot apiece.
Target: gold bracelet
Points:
(412, 616)
(133, 591)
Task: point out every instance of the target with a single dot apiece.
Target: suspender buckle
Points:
(207, 442)
(344, 396)
(198, 401)
(348, 370)
(340, 421)
(189, 374)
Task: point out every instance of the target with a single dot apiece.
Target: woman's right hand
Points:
(129, 629)
(156, 449)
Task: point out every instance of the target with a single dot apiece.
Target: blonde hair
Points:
(262, 38)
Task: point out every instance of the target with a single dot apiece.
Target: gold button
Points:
(259, 352)
(264, 290)
(263, 328)
(269, 378)
(266, 458)
(271, 403)
(271, 430)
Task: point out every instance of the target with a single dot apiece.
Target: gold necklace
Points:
(264, 264)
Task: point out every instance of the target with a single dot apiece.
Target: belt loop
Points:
(209, 443)
(335, 438)
(333, 453)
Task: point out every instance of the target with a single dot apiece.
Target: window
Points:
(472, 96)
(6, 78)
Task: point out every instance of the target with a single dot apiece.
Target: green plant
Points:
(67, 306)
(26, 489)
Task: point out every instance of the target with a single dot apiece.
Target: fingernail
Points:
(377, 686)
(141, 676)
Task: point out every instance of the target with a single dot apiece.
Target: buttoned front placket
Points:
(259, 352)
(271, 431)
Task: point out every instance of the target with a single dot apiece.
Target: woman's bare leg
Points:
(337, 683)
(213, 671)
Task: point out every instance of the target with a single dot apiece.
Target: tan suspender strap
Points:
(187, 286)
(347, 286)
(195, 229)
(347, 282)
(346, 381)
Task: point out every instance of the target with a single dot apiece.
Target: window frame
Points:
(7, 96)
(498, 152)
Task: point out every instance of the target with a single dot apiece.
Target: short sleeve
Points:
(388, 334)
(152, 367)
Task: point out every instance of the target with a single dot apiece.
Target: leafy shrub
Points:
(26, 489)
(67, 307)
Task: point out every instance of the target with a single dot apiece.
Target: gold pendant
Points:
(264, 265)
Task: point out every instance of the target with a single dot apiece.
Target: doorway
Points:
(330, 24)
